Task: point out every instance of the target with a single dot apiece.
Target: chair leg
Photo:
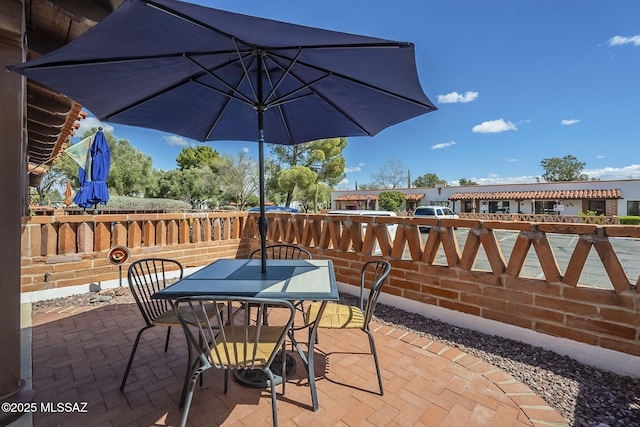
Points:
(186, 377)
(166, 344)
(188, 399)
(372, 344)
(274, 409)
(284, 366)
(133, 353)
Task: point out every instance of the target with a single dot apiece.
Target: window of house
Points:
(633, 207)
(597, 206)
(544, 207)
(500, 206)
(468, 206)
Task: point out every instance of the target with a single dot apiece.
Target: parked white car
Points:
(391, 227)
(433, 212)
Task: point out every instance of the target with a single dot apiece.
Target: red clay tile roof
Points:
(357, 197)
(413, 196)
(375, 197)
(533, 195)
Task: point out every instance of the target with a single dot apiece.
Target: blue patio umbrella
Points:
(92, 177)
(100, 164)
(84, 192)
(209, 75)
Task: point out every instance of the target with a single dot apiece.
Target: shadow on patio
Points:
(79, 355)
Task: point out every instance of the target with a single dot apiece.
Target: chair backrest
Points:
(375, 273)
(245, 341)
(148, 276)
(283, 251)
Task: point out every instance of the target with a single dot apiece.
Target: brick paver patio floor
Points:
(79, 355)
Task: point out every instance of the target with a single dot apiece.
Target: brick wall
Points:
(438, 270)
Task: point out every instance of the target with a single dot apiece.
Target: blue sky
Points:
(515, 82)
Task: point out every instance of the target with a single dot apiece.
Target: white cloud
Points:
(494, 126)
(599, 156)
(454, 97)
(92, 122)
(569, 122)
(608, 173)
(513, 160)
(353, 169)
(626, 172)
(443, 145)
(620, 40)
(176, 140)
(343, 185)
(494, 179)
(245, 149)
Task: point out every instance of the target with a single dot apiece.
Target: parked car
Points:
(433, 212)
(391, 227)
(274, 209)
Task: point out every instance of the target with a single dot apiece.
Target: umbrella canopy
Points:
(210, 75)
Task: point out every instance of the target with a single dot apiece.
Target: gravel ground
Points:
(585, 396)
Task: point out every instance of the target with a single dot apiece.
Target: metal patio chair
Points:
(146, 277)
(342, 316)
(283, 251)
(241, 344)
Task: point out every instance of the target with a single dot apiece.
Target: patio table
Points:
(293, 280)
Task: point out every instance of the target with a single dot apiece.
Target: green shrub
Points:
(629, 220)
(141, 204)
(391, 200)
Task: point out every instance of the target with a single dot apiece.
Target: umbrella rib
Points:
(190, 19)
(359, 82)
(284, 99)
(280, 111)
(242, 98)
(286, 72)
(244, 68)
(309, 85)
(173, 86)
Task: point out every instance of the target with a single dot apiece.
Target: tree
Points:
(299, 177)
(466, 182)
(568, 168)
(322, 157)
(368, 186)
(197, 186)
(428, 180)
(45, 188)
(195, 157)
(390, 175)
(314, 197)
(273, 191)
(131, 169)
(391, 200)
(240, 179)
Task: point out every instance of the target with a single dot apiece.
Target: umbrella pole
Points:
(262, 221)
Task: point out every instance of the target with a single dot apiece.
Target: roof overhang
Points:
(540, 195)
(51, 116)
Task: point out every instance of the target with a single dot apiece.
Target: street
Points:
(593, 274)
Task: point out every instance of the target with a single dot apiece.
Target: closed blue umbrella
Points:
(84, 192)
(209, 75)
(100, 164)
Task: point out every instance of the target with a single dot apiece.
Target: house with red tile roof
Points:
(609, 198)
